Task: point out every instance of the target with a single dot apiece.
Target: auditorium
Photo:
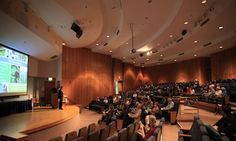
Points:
(117, 70)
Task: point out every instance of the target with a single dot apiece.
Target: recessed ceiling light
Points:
(108, 36)
(134, 62)
(110, 51)
(147, 59)
(175, 60)
(171, 36)
(204, 1)
(63, 43)
(221, 27)
(97, 44)
(127, 43)
(195, 41)
(186, 23)
(161, 55)
(221, 47)
(195, 55)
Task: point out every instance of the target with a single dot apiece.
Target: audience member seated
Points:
(227, 124)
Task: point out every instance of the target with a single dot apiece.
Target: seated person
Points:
(146, 131)
(136, 113)
(165, 110)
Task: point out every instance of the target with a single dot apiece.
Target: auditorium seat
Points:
(130, 132)
(71, 136)
(112, 138)
(104, 133)
(83, 132)
(91, 127)
(122, 135)
(93, 136)
(112, 128)
(56, 139)
(151, 138)
(80, 139)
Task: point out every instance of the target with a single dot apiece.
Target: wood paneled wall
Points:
(85, 75)
(223, 64)
(184, 71)
(133, 77)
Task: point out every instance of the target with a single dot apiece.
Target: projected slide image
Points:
(13, 71)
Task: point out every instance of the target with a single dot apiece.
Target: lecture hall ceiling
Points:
(164, 31)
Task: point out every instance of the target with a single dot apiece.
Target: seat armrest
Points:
(185, 135)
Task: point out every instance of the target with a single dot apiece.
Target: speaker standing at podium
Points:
(60, 97)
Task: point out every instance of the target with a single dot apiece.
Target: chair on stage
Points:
(112, 128)
(91, 127)
(71, 136)
(130, 132)
(56, 139)
(83, 132)
(112, 138)
(104, 133)
(94, 136)
(122, 135)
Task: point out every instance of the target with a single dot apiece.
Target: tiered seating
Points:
(200, 132)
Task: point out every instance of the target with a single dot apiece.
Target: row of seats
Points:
(102, 132)
(200, 132)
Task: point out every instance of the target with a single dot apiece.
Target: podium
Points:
(54, 100)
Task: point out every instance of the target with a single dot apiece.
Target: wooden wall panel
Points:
(223, 64)
(133, 77)
(176, 72)
(85, 75)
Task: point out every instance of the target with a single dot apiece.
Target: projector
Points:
(132, 50)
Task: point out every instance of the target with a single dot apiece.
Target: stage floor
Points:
(17, 125)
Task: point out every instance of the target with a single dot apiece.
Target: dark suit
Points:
(60, 97)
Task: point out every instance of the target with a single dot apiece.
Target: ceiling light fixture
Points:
(97, 44)
(195, 41)
(63, 43)
(221, 27)
(110, 51)
(127, 43)
(171, 36)
(175, 60)
(221, 47)
(123, 57)
(161, 55)
(204, 1)
(195, 55)
(108, 36)
(147, 59)
(185, 23)
(134, 62)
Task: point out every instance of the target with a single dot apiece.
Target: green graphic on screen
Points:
(13, 71)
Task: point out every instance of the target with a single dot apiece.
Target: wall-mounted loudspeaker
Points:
(76, 28)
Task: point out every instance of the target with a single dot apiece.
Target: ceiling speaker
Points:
(76, 28)
(184, 32)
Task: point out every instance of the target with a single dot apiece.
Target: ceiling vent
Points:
(53, 57)
(204, 22)
(181, 54)
(180, 39)
(207, 44)
(117, 33)
(105, 44)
